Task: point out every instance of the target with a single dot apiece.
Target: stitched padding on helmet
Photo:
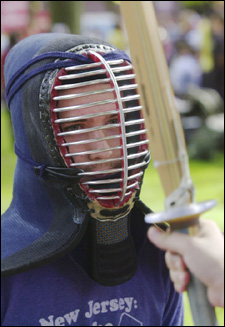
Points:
(133, 183)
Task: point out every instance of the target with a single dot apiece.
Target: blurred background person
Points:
(185, 70)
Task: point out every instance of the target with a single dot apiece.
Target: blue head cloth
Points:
(35, 228)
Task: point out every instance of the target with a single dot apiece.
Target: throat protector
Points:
(87, 147)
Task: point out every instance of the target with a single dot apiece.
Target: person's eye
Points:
(113, 120)
(73, 127)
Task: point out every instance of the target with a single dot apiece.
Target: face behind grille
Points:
(99, 127)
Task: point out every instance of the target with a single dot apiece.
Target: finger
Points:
(216, 297)
(180, 280)
(175, 242)
(207, 227)
(175, 261)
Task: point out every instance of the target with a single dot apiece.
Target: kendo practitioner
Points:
(74, 243)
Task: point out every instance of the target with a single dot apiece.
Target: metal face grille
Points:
(99, 127)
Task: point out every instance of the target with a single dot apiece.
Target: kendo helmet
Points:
(87, 141)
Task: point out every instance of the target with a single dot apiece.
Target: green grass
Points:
(207, 177)
(8, 161)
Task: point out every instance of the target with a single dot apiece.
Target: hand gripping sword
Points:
(166, 137)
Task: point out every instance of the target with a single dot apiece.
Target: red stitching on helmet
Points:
(56, 127)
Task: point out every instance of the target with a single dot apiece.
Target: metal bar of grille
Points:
(93, 65)
(111, 197)
(92, 151)
(115, 180)
(71, 119)
(137, 155)
(115, 197)
(143, 131)
(128, 87)
(84, 94)
(131, 156)
(95, 72)
(82, 106)
(120, 69)
(133, 122)
(97, 81)
(76, 85)
(137, 144)
(132, 185)
(131, 98)
(115, 62)
(115, 170)
(126, 110)
(90, 163)
(86, 74)
(87, 130)
(131, 109)
(94, 173)
(91, 140)
(108, 138)
(105, 181)
(111, 190)
(139, 165)
(135, 175)
(125, 77)
(84, 66)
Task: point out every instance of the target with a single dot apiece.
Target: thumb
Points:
(175, 242)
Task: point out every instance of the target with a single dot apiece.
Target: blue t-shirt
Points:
(62, 294)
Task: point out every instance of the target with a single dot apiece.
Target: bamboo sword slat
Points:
(156, 91)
